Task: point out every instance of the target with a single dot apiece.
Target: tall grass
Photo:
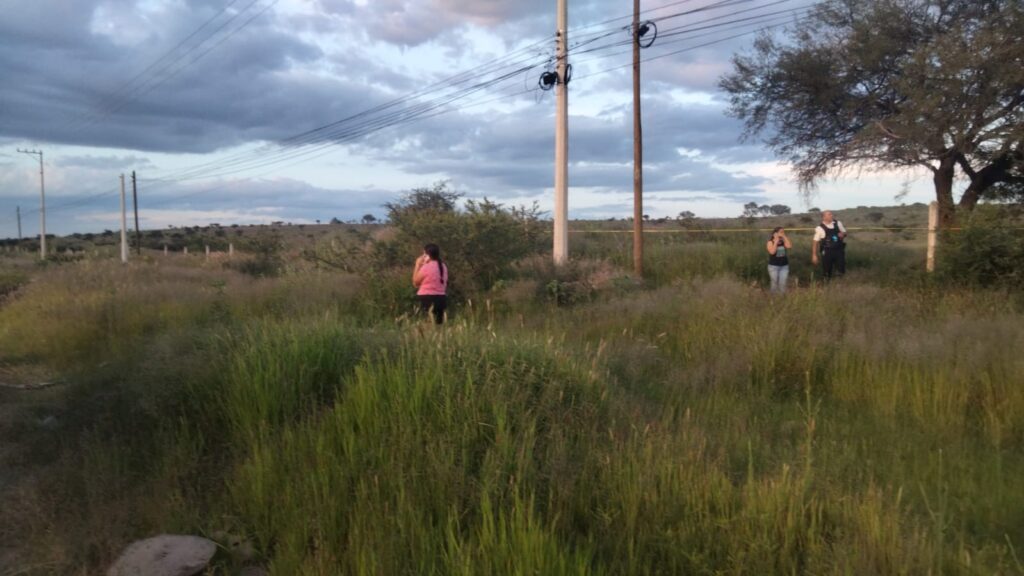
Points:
(101, 309)
(698, 427)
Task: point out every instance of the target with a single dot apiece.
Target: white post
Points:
(933, 223)
(207, 251)
(124, 226)
(42, 203)
(165, 249)
(42, 210)
(561, 233)
(231, 250)
(185, 252)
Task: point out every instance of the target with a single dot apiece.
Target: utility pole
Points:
(42, 203)
(135, 205)
(638, 153)
(18, 210)
(561, 233)
(124, 226)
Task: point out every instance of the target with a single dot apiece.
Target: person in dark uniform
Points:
(829, 246)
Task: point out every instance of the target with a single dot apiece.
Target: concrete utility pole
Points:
(18, 210)
(561, 235)
(638, 152)
(124, 225)
(42, 202)
(135, 206)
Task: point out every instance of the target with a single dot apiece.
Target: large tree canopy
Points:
(884, 84)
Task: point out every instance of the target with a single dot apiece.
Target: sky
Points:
(254, 111)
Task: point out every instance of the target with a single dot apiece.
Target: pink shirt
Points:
(431, 283)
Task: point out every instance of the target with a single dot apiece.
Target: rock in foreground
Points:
(164, 555)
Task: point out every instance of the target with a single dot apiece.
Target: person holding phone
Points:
(430, 277)
(778, 260)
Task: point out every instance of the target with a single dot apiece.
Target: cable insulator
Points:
(642, 31)
(568, 74)
(547, 81)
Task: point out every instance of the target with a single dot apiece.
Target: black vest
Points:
(832, 241)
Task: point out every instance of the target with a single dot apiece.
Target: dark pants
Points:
(435, 304)
(833, 262)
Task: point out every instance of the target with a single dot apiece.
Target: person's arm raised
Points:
(417, 276)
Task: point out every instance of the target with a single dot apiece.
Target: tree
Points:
(893, 84)
(437, 198)
(369, 219)
(779, 210)
(481, 241)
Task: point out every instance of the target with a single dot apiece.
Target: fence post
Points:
(231, 250)
(933, 223)
(186, 251)
(207, 251)
(165, 249)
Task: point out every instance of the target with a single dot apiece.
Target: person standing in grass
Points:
(778, 260)
(430, 277)
(830, 245)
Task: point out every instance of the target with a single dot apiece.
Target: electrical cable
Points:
(432, 109)
(155, 80)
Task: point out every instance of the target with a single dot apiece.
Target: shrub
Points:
(984, 253)
(480, 242)
(266, 249)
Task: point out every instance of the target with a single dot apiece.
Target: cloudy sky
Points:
(297, 110)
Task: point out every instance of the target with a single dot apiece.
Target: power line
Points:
(214, 168)
(705, 44)
(325, 137)
(140, 89)
(331, 134)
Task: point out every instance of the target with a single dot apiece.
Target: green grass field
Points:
(690, 424)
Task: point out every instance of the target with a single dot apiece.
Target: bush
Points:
(11, 281)
(480, 242)
(984, 253)
(266, 248)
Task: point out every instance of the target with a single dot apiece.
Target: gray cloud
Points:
(60, 82)
(104, 162)
(61, 61)
(513, 153)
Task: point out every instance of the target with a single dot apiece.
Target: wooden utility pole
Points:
(561, 233)
(42, 202)
(638, 153)
(18, 210)
(933, 223)
(135, 206)
(124, 225)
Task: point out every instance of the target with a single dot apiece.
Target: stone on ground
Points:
(165, 555)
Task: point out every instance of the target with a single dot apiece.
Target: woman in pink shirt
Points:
(430, 277)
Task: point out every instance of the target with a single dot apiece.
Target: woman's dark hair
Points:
(434, 251)
(777, 228)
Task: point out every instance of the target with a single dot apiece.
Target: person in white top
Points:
(830, 246)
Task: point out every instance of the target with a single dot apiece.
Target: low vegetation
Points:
(565, 421)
